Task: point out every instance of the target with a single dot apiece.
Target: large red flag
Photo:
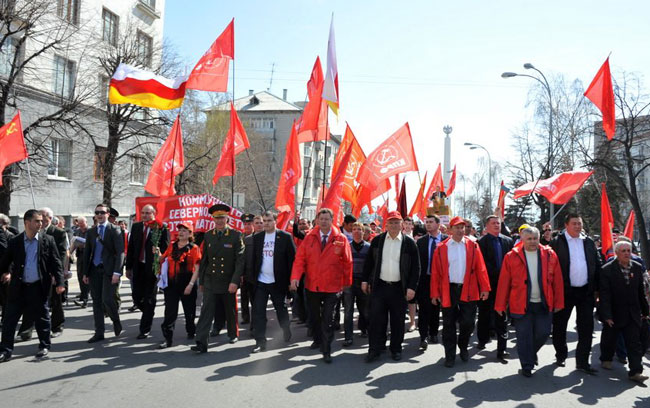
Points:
(437, 184)
(606, 224)
(285, 199)
(557, 189)
(357, 157)
(313, 125)
(394, 156)
(211, 72)
(452, 183)
(12, 144)
(629, 225)
(168, 164)
(420, 204)
(334, 194)
(236, 142)
(401, 202)
(601, 93)
(501, 202)
(364, 196)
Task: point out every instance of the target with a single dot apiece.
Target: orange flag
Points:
(12, 144)
(236, 142)
(334, 194)
(168, 164)
(211, 72)
(285, 198)
(606, 224)
(313, 125)
(419, 206)
(601, 93)
(629, 225)
(437, 183)
(452, 183)
(357, 157)
(394, 156)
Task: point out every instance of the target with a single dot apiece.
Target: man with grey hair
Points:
(622, 306)
(531, 285)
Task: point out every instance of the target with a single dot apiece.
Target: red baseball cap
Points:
(456, 220)
(394, 215)
(187, 225)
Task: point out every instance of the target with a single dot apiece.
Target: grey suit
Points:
(102, 288)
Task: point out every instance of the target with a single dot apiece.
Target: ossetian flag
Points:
(144, 88)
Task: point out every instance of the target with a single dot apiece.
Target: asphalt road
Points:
(123, 370)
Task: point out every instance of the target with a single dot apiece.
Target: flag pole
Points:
(234, 165)
(29, 177)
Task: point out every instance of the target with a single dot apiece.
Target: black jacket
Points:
(620, 302)
(49, 263)
(489, 257)
(59, 236)
(135, 245)
(561, 248)
(112, 251)
(284, 253)
(409, 262)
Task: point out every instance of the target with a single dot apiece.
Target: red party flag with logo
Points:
(557, 189)
(601, 93)
(357, 157)
(285, 198)
(211, 72)
(12, 144)
(168, 164)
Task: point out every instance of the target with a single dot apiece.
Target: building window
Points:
(69, 11)
(98, 168)
(60, 158)
(262, 123)
(7, 55)
(145, 49)
(64, 74)
(150, 3)
(111, 25)
(137, 169)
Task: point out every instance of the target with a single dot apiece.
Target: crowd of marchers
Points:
(410, 276)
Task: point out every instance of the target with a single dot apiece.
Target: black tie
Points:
(323, 242)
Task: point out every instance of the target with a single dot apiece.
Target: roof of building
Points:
(262, 101)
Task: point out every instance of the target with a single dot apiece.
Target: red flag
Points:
(383, 213)
(12, 144)
(629, 225)
(394, 156)
(357, 157)
(401, 203)
(168, 164)
(285, 198)
(396, 187)
(211, 72)
(236, 142)
(419, 206)
(364, 196)
(334, 194)
(437, 184)
(606, 224)
(452, 183)
(313, 125)
(557, 189)
(283, 219)
(601, 93)
(501, 202)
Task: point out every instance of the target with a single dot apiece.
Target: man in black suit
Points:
(428, 313)
(140, 264)
(622, 305)
(580, 265)
(273, 254)
(494, 247)
(390, 275)
(103, 259)
(29, 265)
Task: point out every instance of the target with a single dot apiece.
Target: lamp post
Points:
(547, 87)
(474, 146)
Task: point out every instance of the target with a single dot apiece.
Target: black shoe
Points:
(132, 308)
(464, 355)
(287, 335)
(142, 336)
(117, 328)
(95, 339)
(314, 345)
(587, 369)
(397, 356)
(214, 333)
(372, 356)
(363, 334)
(199, 349)
(56, 334)
(480, 345)
(233, 340)
(502, 357)
(258, 348)
(327, 358)
(190, 336)
(81, 303)
(433, 339)
(560, 363)
(42, 353)
(164, 345)
(347, 342)
(423, 345)
(449, 362)
(23, 337)
(525, 372)
(5, 356)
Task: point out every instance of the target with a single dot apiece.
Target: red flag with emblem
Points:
(601, 93)
(285, 198)
(12, 144)
(606, 224)
(211, 72)
(168, 164)
(357, 157)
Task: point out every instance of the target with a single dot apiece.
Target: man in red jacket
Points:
(531, 284)
(325, 258)
(458, 280)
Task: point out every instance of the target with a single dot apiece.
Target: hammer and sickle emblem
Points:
(12, 128)
(385, 156)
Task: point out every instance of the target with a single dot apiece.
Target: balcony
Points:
(148, 7)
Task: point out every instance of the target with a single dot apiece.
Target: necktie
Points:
(99, 247)
(498, 253)
(432, 243)
(144, 243)
(323, 242)
(219, 234)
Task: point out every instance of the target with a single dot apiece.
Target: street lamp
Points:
(547, 87)
(473, 146)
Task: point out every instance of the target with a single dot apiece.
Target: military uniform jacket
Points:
(223, 260)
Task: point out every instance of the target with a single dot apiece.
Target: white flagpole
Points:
(31, 187)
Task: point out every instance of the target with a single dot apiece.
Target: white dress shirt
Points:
(578, 271)
(456, 256)
(390, 259)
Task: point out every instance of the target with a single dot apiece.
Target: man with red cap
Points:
(390, 275)
(458, 280)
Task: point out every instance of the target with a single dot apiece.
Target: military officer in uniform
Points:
(220, 272)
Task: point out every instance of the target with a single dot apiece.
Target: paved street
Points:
(128, 371)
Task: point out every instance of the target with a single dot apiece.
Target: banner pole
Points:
(31, 187)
